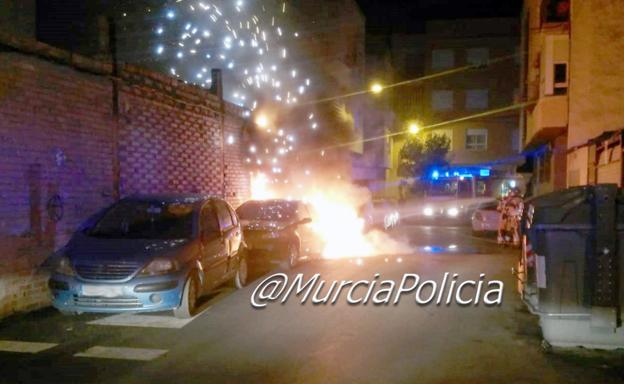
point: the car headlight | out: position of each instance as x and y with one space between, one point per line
159 267
428 211
63 267
453 212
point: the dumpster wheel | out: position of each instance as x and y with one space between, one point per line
546 347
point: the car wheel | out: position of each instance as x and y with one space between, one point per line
240 278
293 255
188 306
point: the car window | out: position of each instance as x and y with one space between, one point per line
131 219
225 219
209 222
282 211
233 214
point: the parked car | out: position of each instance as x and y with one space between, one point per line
486 218
278 230
381 214
150 253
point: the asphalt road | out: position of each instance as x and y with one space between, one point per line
231 342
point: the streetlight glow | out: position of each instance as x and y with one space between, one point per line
376 88
413 128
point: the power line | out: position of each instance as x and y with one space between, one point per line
496 111
449 72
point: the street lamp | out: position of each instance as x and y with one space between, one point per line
413 128
376 88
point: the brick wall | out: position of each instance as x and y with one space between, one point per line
73 138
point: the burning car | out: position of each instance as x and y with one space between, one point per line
278 229
149 253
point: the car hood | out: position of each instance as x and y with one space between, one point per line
84 248
263 225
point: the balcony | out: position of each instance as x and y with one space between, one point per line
548 120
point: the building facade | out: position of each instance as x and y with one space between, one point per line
573 131
449 93
460 43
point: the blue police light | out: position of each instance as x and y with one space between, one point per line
435 175
484 172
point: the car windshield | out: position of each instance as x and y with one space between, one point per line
267 210
145 220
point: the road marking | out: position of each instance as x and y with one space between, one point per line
24 346
142 354
145 321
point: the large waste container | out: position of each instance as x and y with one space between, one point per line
573 263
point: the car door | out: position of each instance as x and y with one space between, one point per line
213 247
237 237
228 232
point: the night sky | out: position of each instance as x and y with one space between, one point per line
409 15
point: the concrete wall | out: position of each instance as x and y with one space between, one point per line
73 139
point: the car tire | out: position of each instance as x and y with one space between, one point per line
242 273
188 304
292 254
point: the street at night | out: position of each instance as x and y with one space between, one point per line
230 341
311 191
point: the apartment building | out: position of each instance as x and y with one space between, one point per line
572 71
453 44
491 138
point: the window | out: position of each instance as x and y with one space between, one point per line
442 100
477 99
560 74
233 214
556 11
476 139
209 223
442 59
225 219
477 56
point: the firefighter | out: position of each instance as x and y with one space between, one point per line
510 208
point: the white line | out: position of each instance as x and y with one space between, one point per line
122 353
24 346
146 321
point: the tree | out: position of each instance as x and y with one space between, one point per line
419 154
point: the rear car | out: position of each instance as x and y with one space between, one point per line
381 214
486 218
278 230
149 253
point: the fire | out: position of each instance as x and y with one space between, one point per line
260 187
336 221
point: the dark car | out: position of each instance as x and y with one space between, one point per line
279 229
150 253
